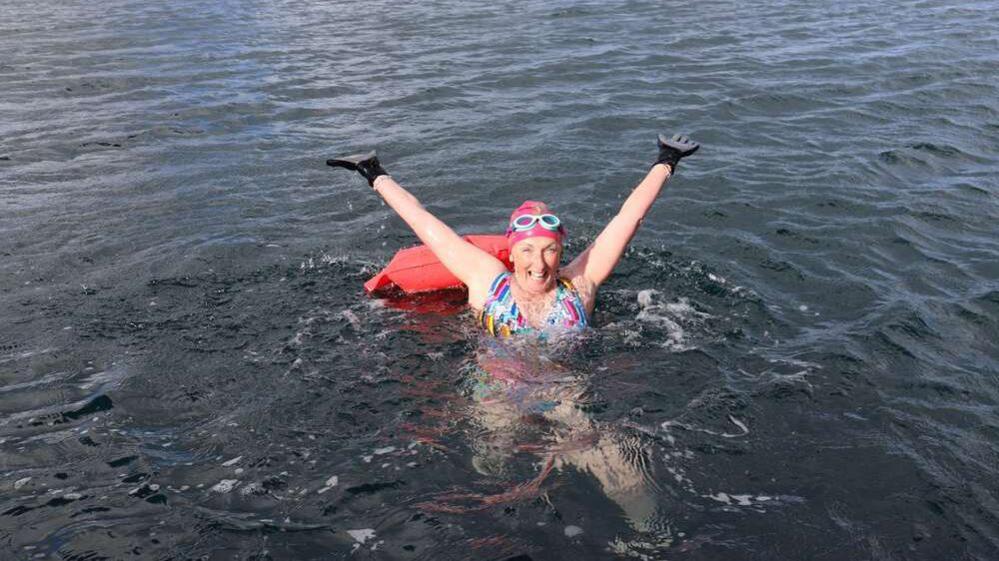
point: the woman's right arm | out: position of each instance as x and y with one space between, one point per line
474 267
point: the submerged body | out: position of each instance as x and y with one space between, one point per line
531 403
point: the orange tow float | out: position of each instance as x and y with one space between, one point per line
416 269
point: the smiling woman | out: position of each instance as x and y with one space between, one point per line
535 296
539 296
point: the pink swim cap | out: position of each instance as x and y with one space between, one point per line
537 230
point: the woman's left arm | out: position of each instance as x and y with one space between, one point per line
592 267
597 262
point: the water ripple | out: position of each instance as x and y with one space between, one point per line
182 278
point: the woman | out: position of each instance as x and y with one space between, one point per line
539 295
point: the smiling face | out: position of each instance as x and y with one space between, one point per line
535 264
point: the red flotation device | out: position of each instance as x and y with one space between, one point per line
417 269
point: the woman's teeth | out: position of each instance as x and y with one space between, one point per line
537 276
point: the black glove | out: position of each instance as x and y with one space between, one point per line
672 149
364 164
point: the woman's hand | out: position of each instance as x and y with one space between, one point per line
365 164
672 149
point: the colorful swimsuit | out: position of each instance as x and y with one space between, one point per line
500 315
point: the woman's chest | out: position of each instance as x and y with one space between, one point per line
536 313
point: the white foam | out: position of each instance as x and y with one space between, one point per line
666 425
350 316
740 424
232 462
225 486
363 535
645 297
669 315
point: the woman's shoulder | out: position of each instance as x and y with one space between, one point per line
479 295
583 287
574 273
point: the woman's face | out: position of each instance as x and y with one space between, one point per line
535 264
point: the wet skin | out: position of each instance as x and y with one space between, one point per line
535 265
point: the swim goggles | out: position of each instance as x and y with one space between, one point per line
525 222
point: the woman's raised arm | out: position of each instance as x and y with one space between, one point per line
474 267
597 262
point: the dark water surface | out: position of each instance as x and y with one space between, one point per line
796 360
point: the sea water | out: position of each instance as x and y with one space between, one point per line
796 358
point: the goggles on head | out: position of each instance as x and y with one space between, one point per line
525 222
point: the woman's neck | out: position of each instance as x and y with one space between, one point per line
535 307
